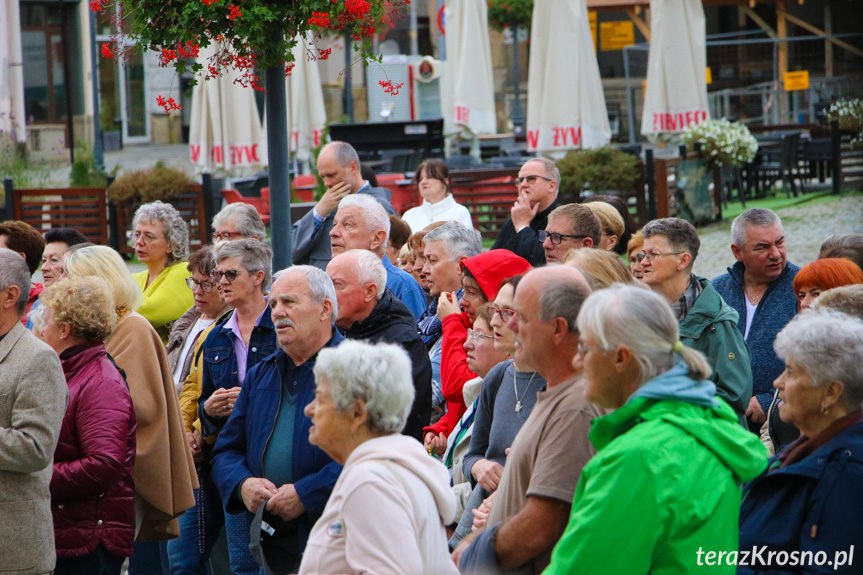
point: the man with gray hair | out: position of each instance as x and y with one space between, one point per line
263 455
237 222
33 396
760 287
707 322
538 184
533 499
368 310
361 223
339 167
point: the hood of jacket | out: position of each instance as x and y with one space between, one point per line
408 453
709 308
492 267
676 399
471 390
388 312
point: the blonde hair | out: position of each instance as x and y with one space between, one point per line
85 304
601 268
103 262
609 217
635 242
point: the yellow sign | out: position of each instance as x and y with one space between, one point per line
709 76
591 17
796 80
644 88
616 35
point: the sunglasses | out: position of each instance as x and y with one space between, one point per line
530 180
229 275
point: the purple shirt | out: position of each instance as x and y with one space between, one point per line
241 352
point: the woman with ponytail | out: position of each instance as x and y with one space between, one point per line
671 457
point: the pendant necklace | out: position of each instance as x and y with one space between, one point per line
518 404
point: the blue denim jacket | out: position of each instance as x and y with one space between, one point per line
220 363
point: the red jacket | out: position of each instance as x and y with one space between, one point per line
92 491
489 269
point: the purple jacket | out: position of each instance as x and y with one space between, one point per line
92 491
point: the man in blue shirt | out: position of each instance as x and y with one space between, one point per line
361 223
263 453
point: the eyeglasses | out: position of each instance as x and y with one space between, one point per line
193 284
505 314
583 348
647 256
230 275
474 336
147 238
227 236
530 180
556 238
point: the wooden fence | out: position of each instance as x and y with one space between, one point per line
83 209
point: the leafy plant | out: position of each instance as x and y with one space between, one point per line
84 173
509 13
157 183
599 170
849 113
723 143
15 163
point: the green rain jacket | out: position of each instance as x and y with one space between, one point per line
711 328
663 486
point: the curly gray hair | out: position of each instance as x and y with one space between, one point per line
176 229
379 374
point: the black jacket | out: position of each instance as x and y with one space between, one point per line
526 242
392 322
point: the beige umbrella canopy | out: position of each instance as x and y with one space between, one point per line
306 112
565 102
676 93
225 131
12 120
468 83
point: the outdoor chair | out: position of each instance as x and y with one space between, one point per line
766 174
817 154
731 178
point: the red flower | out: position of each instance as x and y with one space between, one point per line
320 19
288 69
167 56
106 50
96 6
357 8
189 49
324 54
390 88
209 2
167 105
235 12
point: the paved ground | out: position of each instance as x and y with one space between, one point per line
806 226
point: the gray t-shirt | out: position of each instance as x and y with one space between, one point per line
497 422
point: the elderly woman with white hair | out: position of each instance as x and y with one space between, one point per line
671 452
161 242
388 509
808 503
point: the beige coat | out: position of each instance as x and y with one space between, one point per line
164 470
33 397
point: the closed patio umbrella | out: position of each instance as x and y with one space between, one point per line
225 131
306 112
12 116
468 83
676 94
565 102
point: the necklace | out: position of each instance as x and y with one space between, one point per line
752 299
518 404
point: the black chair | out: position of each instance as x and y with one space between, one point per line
766 174
731 178
817 153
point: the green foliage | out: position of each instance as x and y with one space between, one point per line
15 164
157 183
601 169
510 13
84 173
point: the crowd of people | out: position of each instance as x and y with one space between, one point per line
401 400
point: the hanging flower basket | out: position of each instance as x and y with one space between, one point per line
509 13
723 143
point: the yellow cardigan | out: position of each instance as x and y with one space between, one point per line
166 299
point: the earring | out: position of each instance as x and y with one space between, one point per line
824 410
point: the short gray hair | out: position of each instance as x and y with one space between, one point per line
829 346
176 229
757 217
458 240
379 374
252 254
246 217
562 297
36 317
320 285
344 153
14 272
679 233
371 270
551 169
640 319
374 214
846 299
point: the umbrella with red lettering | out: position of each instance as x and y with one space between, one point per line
307 115
676 92
225 131
467 95
11 73
565 102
